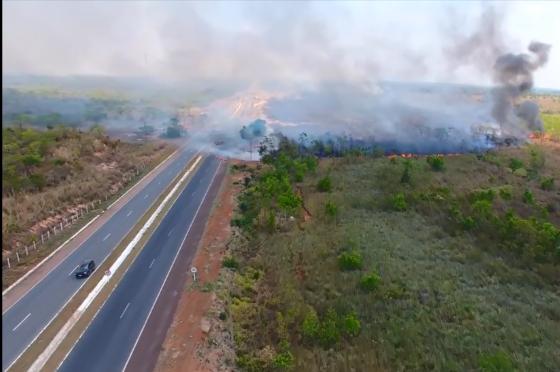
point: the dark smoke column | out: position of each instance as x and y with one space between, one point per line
514 73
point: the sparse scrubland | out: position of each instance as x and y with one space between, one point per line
372 263
48 174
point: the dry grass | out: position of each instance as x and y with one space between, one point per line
92 169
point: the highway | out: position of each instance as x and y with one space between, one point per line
24 321
111 336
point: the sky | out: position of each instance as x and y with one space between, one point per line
358 42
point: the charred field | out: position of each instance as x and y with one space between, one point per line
357 263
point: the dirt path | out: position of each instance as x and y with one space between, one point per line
197 339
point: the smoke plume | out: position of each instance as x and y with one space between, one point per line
514 74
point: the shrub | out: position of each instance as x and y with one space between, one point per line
547 183
406 178
311 325
497 362
230 263
528 197
283 360
399 203
484 194
370 282
468 223
38 181
436 162
506 193
482 208
331 209
329 334
351 325
324 184
350 261
515 164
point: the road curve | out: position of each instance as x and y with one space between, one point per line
109 339
25 320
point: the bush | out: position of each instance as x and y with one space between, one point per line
497 362
436 162
515 164
468 223
331 209
370 282
406 178
350 261
329 334
506 193
547 183
283 360
528 197
351 325
399 203
324 184
230 263
311 325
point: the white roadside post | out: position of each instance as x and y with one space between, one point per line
193 271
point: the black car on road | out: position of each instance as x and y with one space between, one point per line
85 269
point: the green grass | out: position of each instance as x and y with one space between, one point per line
552 124
447 298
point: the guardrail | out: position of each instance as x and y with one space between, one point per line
16 256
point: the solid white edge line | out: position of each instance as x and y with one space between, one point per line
20 323
55 342
73 236
171 267
72 296
97 312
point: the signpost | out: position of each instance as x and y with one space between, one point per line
193 271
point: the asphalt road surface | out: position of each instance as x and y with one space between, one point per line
110 338
25 320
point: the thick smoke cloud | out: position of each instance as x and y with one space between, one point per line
514 74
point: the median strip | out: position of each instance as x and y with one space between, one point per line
54 335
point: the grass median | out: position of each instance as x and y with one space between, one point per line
33 352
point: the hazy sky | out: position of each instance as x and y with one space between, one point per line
311 41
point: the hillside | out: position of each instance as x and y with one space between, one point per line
48 175
426 263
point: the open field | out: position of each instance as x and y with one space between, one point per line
433 263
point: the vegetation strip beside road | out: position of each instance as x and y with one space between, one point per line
10 278
26 360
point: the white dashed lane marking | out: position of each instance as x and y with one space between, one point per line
20 323
106 236
129 213
124 311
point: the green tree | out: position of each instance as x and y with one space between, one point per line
324 184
